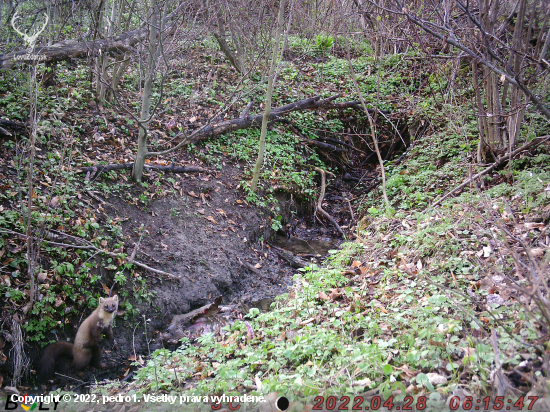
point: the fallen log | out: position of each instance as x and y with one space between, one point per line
72 49
175 331
7 125
246 122
295 261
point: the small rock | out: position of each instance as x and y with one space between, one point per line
436 378
498 278
495 299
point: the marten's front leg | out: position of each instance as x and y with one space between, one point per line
109 333
96 358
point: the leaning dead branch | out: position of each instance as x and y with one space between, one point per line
529 145
84 244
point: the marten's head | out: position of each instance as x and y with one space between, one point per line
109 305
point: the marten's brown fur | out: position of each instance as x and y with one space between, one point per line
86 344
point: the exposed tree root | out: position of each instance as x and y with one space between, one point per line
320 201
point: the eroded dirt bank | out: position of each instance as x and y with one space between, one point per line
213 243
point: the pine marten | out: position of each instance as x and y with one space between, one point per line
86 344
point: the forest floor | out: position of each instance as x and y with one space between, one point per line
208 235
427 302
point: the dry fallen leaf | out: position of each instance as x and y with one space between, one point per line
211 219
191 193
335 294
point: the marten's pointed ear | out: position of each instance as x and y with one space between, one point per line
101 300
115 298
